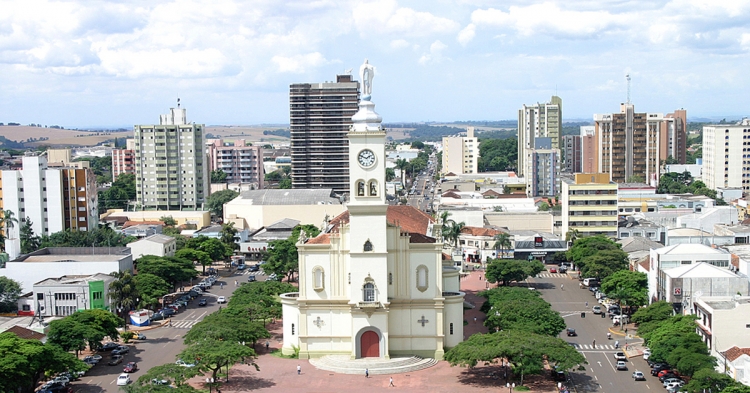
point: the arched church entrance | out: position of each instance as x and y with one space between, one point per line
369 344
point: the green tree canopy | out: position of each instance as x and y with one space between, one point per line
10 291
191 254
498 154
118 196
627 286
510 270
173 270
281 256
29 241
518 308
226 325
151 288
103 236
650 317
218 176
215 202
213 355
708 379
603 264
170 372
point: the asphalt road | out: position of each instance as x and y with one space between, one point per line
600 374
161 345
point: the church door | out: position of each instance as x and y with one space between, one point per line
370 345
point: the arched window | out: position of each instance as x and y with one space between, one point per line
318 278
368 246
368 292
360 188
373 187
422 275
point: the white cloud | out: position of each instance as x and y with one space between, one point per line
399 44
745 41
299 63
385 16
467 34
435 54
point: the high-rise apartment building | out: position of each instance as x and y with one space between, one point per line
589 204
171 171
726 156
461 154
580 151
320 115
633 145
123 160
53 199
538 121
572 154
544 168
242 164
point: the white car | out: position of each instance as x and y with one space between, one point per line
221 299
123 380
182 363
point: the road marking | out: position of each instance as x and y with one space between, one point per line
648 386
610 363
600 363
201 316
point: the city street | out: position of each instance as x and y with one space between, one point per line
600 374
162 344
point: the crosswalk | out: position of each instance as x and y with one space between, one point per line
598 346
249 273
184 324
552 275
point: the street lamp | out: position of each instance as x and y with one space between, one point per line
510 387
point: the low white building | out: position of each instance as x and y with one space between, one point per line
681 284
66 261
513 204
63 296
158 245
671 257
736 363
258 208
722 323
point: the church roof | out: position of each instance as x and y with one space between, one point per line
409 219
479 231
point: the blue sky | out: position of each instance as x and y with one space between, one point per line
118 63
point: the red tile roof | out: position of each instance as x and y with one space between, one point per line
645 265
134 223
409 219
323 238
22 332
733 353
479 231
451 194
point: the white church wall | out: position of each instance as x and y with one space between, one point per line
309 263
454 309
290 315
421 256
451 279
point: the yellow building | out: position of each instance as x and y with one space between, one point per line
589 204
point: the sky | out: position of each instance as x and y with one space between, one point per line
119 63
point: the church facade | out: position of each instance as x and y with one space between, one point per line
373 283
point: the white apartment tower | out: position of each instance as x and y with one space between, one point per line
726 156
171 171
461 154
538 121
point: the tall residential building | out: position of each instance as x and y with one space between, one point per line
53 199
171 171
543 169
242 164
461 154
726 156
538 121
632 144
572 154
123 160
580 151
589 204
320 115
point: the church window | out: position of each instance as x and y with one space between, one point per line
390 278
350 278
368 246
451 328
373 188
292 329
360 188
368 292
422 274
318 278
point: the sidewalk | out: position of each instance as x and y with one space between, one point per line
472 285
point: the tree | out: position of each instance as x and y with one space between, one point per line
73 332
151 288
228 236
9 222
510 270
102 236
590 245
572 235
102 320
401 165
502 242
25 362
171 372
29 241
173 270
285 184
520 309
119 194
123 293
708 379
628 287
604 263
635 179
215 202
390 174
670 335
191 254
281 256
227 325
497 154
10 291
417 145
650 317
168 221
212 355
218 176
526 352
452 231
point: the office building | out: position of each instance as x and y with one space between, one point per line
242 164
171 171
631 146
543 167
589 204
123 160
461 154
538 121
726 155
320 115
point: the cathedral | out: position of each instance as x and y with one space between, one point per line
373 283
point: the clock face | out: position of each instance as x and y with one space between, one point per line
366 158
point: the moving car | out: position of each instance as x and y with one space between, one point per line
596 309
553 270
620 356
117 359
621 365
251 279
638 376
131 367
123 380
140 336
203 302
221 299
241 267
254 268
571 332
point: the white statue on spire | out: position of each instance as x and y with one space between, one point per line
366 73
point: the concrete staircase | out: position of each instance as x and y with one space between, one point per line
343 364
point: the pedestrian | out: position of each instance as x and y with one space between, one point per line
594 344
299 370
475 319
235 283
367 373
221 285
391 383
480 277
587 304
268 343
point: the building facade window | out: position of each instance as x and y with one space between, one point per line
318 278
451 328
422 278
368 246
368 292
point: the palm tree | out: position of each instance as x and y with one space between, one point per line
122 292
9 221
444 216
401 164
502 241
452 231
572 235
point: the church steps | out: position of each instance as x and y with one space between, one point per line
343 364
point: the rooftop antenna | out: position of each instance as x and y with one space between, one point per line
178 101
349 71
627 76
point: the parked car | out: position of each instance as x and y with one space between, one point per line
638 376
109 346
92 359
62 379
203 302
667 376
254 268
221 300
646 354
123 380
552 270
670 380
167 312
596 309
182 363
131 367
157 316
121 350
620 356
621 365
571 332
117 359
241 267
140 336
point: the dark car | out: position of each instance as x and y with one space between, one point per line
251 278
202 302
117 359
157 317
659 368
56 388
193 294
558 375
168 312
571 332
108 347
241 267
254 268
667 376
131 367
